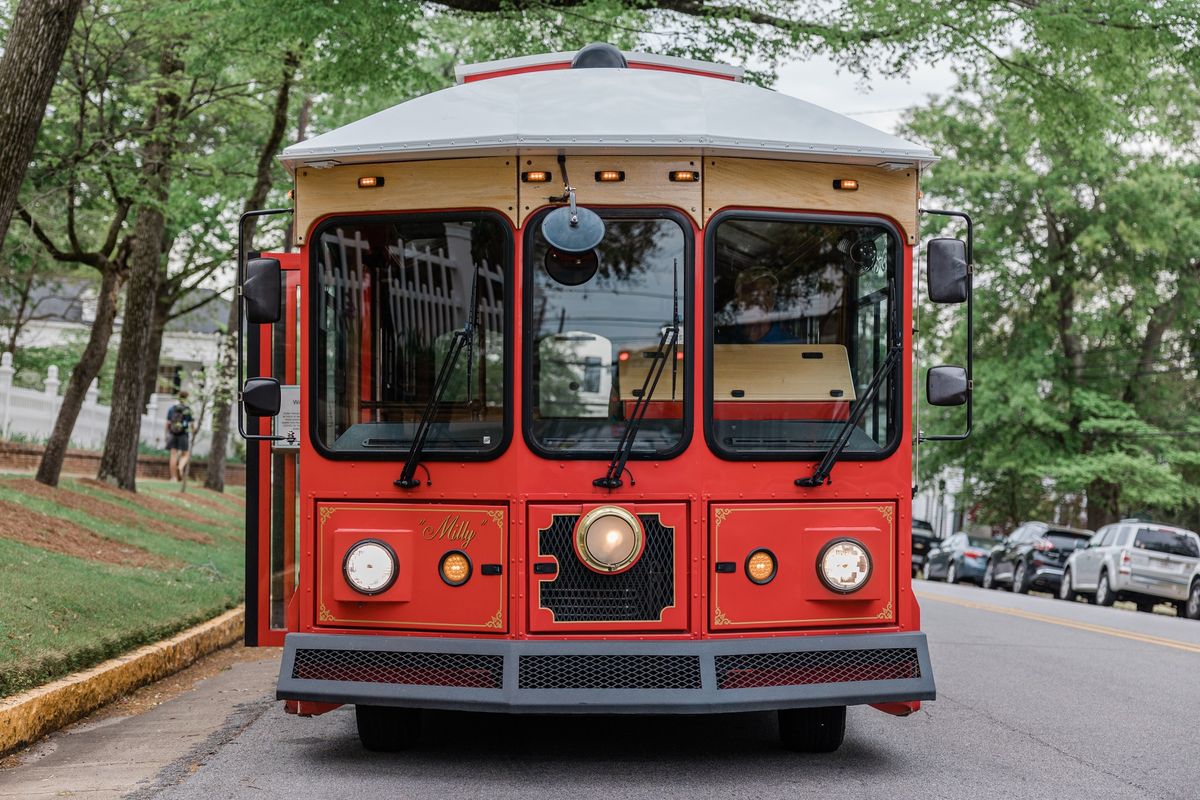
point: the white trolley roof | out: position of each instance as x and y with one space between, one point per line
642 110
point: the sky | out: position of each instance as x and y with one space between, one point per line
878 103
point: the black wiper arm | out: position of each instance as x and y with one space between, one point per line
821 473
667 346
462 339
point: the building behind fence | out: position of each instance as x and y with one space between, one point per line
29 414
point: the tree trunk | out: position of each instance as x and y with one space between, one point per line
1103 503
118 463
33 52
158 325
215 478
50 468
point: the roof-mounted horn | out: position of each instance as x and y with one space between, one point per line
599 55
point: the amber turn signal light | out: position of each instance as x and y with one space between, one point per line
761 567
846 184
536 176
455 568
683 176
370 182
610 176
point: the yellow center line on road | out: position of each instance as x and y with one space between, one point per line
1066 623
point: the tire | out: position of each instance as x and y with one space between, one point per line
1104 592
989 576
1020 583
926 572
387 730
812 730
1191 608
1065 592
952 573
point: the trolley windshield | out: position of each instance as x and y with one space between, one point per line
389 295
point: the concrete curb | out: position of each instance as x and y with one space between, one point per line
31 715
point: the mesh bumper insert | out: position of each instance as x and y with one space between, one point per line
463 670
760 670
610 672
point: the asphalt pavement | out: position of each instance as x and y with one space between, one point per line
1036 697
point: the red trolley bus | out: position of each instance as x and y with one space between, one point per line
599 369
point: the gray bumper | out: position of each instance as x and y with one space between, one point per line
607 677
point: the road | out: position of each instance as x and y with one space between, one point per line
1036 697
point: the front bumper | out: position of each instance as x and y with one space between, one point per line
607 677
1047 577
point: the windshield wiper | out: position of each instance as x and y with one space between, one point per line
463 338
668 345
820 475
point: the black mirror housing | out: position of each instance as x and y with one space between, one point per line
946 386
947 270
261 291
261 397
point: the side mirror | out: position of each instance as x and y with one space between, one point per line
261 291
261 397
946 270
946 386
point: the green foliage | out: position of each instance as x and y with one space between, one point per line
32 364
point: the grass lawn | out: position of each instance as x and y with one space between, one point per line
88 572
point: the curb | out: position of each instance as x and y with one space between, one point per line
30 715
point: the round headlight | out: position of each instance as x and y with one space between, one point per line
455 568
609 539
760 566
370 566
844 565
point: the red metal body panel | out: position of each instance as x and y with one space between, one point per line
695 485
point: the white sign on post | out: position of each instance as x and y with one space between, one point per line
287 423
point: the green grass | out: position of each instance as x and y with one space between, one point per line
59 614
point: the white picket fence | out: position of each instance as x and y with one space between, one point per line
30 414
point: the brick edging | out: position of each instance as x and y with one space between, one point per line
31 715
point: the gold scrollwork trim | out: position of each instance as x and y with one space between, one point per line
886 613
497 516
887 512
326 513
497 620
719 516
326 615
719 618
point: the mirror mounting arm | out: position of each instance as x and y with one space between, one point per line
240 300
958 437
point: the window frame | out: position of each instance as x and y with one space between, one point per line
899 379
427 453
688 327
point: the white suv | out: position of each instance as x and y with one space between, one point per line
1143 562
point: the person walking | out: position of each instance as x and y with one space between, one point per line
179 423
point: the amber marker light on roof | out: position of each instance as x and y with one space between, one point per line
610 176
846 184
683 176
536 176
370 182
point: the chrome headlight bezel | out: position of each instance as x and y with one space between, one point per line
584 525
387 551
827 582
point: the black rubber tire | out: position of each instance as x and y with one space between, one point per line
812 730
387 730
989 577
1191 608
1065 592
1106 597
952 573
1020 583
927 572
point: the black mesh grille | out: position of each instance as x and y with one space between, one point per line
610 672
580 595
465 670
756 670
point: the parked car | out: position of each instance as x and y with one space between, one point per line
1191 608
922 540
958 558
1032 556
1139 561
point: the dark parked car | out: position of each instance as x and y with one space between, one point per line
1032 557
922 540
959 558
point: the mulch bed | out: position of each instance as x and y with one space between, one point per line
197 494
154 505
63 536
109 512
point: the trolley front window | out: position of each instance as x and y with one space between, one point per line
594 329
389 294
802 313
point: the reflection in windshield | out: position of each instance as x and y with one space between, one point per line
593 343
799 328
390 294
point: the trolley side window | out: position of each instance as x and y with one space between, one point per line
801 321
594 329
390 294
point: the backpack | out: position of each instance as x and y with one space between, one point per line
176 418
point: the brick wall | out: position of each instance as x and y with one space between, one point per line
26 457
